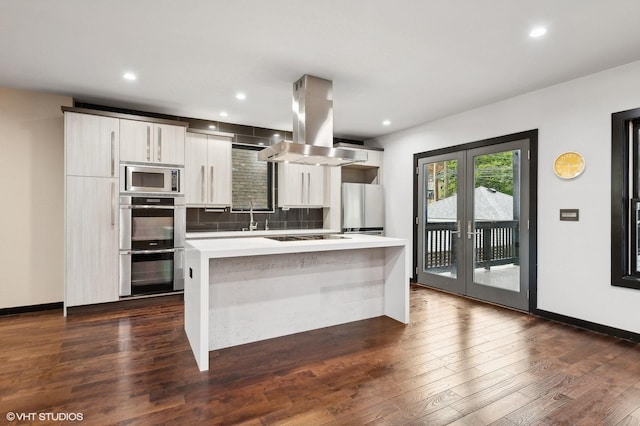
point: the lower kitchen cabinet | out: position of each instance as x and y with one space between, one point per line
91 258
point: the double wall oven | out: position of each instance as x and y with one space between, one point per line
152 230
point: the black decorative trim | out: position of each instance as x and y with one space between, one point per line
621 193
588 325
31 308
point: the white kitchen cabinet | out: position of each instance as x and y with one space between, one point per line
207 170
146 142
300 186
91 240
91 145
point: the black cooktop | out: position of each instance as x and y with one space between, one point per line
306 237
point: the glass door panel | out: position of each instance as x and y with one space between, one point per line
440 239
495 224
495 220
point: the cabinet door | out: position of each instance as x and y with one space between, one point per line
91 145
219 172
195 169
315 186
300 185
144 142
136 141
290 188
91 264
168 144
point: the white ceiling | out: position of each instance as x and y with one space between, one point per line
409 61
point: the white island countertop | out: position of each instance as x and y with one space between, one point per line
256 246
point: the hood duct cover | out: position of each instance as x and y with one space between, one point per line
312 129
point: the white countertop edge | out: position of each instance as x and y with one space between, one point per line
240 247
258 233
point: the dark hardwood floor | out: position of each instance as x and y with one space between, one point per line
457 362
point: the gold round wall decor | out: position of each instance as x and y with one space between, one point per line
568 165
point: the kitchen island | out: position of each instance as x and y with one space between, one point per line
242 290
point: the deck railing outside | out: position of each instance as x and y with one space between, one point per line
496 243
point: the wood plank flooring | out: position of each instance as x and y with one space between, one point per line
458 362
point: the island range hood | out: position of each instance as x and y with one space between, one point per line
312 129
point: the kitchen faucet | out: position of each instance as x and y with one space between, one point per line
252 224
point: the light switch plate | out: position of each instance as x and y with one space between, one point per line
572 215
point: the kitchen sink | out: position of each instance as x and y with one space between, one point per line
306 237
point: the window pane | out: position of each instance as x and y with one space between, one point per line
250 180
441 217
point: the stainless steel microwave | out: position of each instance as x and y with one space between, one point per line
151 179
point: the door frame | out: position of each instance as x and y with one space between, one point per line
532 136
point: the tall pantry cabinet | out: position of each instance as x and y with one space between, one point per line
91 208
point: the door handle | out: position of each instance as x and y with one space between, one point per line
470 233
308 188
113 153
457 231
148 143
159 144
302 189
113 204
211 185
202 186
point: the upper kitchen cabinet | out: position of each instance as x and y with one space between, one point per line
207 170
91 145
300 186
147 142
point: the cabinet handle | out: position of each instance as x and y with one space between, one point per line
302 189
159 144
148 143
308 188
113 153
202 186
113 204
211 185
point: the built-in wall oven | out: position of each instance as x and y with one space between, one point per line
152 234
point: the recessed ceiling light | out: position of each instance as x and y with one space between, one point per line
538 32
241 96
386 123
129 76
276 135
211 126
223 114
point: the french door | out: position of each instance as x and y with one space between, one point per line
473 222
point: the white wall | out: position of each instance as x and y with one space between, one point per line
573 257
32 176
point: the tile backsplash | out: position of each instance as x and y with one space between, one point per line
198 219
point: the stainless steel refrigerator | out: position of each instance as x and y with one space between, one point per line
362 208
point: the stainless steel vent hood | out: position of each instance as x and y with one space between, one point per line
312 129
